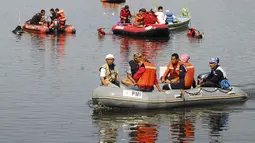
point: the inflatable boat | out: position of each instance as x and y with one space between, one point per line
154 30
183 23
42 29
127 98
113 1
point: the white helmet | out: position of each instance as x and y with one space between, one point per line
109 56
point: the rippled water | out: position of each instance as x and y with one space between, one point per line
46 81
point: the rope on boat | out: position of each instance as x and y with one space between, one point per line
211 91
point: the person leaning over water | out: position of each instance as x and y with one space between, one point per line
108 72
145 77
132 69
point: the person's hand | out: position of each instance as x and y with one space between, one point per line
162 90
182 92
163 80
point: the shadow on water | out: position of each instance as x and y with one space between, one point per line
136 126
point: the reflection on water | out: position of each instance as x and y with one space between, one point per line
217 122
145 127
149 47
182 127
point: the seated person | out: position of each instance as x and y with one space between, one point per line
150 18
185 12
146 77
216 77
108 72
53 14
125 14
139 17
170 18
181 74
38 19
133 68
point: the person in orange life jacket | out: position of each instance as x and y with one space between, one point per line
215 77
61 17
125 14
108 72
132 69
145 77
181 74
139 17
37 19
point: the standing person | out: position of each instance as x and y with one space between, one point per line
160 15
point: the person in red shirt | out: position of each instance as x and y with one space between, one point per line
125 14
150 18
146 76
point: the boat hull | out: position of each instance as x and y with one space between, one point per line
154 30
41 29
126 98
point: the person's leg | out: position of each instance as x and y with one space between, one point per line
166 87
175 86
127 82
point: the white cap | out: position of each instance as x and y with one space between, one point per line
167 11
109 56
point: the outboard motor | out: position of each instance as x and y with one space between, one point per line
202 76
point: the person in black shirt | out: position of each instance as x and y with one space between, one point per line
37 18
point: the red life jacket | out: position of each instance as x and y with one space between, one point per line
149 19
124 13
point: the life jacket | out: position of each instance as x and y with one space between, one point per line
139 18
134 67
174 72
192 32
61 17
224 73
124 13
189 76
148 77
149 19
169 18
100 31
109 75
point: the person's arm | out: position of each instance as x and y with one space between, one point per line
157 85
165 74
183 71
216 78
194 84
139 73
102 76
130 77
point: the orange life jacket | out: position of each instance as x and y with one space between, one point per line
61 17
189 76
139 18
148 77
174 72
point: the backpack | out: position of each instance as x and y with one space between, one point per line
225 84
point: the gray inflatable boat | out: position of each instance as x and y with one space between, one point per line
127 98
